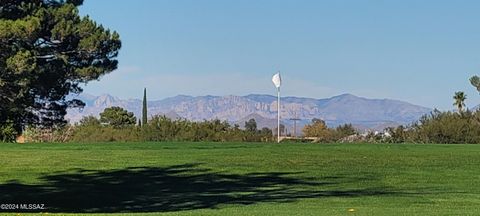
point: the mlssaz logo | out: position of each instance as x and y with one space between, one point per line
32 206
22 206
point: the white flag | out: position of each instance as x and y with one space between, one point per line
277 80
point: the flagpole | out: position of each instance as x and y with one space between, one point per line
278 115
277 81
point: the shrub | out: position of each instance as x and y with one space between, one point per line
8 132
441 127
161 128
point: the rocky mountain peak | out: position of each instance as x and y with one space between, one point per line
105 100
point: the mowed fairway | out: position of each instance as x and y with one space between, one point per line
243 178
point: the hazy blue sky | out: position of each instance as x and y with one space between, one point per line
418 51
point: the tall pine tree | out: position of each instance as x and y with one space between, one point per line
144 108
48 50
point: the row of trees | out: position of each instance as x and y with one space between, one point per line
436 127
440 127
318 128
462 126
117 124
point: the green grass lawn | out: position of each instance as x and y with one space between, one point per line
243 178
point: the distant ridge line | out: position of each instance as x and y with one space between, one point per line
336 110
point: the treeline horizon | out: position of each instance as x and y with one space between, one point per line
157 128
118 125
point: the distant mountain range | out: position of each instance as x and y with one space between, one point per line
361 112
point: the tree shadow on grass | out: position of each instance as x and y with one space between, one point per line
174 188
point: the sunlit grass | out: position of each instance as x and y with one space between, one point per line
243 178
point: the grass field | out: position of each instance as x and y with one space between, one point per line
243 178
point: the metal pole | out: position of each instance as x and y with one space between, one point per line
278 115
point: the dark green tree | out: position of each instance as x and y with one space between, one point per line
251 125
459 99
144 108
475 81
89 121
117 117
266 131
47 50
345 130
